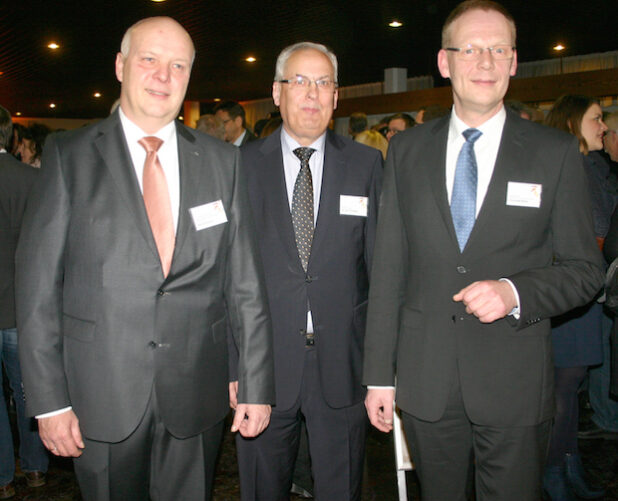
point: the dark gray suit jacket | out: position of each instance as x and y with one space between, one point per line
337 279
16 179
416 332
99 323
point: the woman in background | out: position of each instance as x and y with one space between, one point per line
576 335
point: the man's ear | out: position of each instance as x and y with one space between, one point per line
119 66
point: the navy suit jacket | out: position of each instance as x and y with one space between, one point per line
337 280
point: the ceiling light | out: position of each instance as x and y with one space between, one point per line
97 94
157 1
217 99
395 24
53 45
1 73
180 117
251 59
18 114
52 105
559 47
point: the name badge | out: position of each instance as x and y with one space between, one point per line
207 215
353 206
524 194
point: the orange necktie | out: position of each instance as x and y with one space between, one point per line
157 201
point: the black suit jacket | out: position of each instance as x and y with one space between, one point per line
249 136
336 282
16 179
99 323
416 332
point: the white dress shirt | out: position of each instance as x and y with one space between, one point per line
291 168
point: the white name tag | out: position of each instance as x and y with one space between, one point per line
207 215
524 194
353 206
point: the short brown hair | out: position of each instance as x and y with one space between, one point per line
567 114
469 5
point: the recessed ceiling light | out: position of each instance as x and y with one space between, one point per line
157 1
180 117
217 99
52 105
18 113
97 94
559 47
395 24
53 45
251 59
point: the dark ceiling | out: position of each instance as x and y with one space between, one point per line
225 32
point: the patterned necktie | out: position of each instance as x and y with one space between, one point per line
463 198
157 202
302 206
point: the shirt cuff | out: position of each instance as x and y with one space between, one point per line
53 413
380 387
515 312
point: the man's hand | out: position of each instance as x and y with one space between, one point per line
61 435
488 300
251 419
233 389
379 405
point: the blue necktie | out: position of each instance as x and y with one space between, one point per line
463 198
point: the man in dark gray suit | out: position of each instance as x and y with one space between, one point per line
137 251
314 198
485 232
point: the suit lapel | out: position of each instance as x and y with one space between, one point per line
511 154
191 160
333 176
112 147
277 206
436 171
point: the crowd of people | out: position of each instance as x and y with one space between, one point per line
448 260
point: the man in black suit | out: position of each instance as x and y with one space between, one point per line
478 245
16 179
314 198
137 251
232 115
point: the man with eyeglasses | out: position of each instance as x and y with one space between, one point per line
232 115
314 196
485 233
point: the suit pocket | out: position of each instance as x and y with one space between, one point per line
219 330
76 328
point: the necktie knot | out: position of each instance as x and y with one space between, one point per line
304 154
472 135
151 143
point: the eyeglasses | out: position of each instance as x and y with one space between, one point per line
472 52
302 82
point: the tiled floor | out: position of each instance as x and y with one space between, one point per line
600 456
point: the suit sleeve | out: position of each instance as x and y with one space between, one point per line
576 273
39 278
247 302
387 285
372 216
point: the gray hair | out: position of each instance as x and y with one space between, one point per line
285 54
6 128
125 44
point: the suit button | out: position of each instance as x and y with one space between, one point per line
160 292
152 345
308 279
461 269
454 318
